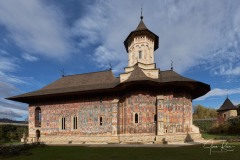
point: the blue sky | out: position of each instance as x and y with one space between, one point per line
40 38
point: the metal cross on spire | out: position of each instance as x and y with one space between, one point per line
62 72
171 64
110 65
141 12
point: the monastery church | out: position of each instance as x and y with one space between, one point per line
142 105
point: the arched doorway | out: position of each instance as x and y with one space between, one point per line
38 134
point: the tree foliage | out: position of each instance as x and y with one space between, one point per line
12 133
201 112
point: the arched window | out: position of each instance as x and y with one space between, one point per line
136 118
100 121
63 123
75 122
38 117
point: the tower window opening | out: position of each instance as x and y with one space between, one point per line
140 54
100 121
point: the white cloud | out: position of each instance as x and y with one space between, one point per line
7 64
219 92
13 105
191 32
29 57
7 89
10 109
12 113
228 70
9 78
3 52
36 27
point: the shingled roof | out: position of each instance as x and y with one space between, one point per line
75 83
141 26
87 79
138 75
227 105
92 82
170 76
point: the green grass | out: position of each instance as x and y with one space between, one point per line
220 136
126 153
11 143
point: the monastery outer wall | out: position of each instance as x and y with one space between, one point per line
228 114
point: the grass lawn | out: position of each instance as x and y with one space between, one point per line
127 153
220 136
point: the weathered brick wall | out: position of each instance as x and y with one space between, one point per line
142 104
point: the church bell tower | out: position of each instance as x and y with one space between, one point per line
140 46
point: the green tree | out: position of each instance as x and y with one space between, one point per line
201 112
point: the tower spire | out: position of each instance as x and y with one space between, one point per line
141 12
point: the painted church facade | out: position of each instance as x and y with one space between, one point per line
142 105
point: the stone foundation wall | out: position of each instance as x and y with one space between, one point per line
121 139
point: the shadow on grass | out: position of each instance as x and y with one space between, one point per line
10 150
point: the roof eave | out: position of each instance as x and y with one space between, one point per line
156 39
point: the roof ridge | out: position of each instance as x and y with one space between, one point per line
89 73
137 72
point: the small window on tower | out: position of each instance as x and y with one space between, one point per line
140 54
100 121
